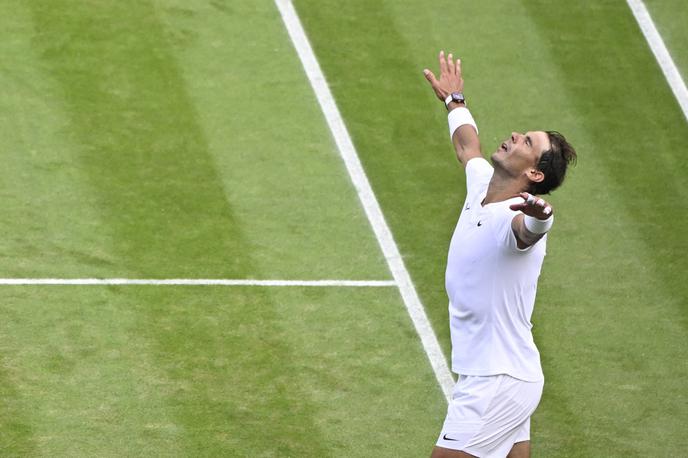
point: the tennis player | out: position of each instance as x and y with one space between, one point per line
493 266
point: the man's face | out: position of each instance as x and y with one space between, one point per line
520 153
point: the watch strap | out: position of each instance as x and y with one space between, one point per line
454 97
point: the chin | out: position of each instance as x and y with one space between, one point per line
499 163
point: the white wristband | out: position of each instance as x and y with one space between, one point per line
459 117
538 226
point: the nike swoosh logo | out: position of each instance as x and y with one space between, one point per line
449 438
468 207
480 223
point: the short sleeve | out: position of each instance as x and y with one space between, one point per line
478 175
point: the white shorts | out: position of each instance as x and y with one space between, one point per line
488 415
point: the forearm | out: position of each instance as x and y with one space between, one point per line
449 90
528 229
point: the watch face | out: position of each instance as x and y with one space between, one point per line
457 97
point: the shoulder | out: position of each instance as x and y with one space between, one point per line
501 214
504 207
502 217
478 165
478 174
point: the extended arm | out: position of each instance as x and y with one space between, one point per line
465 138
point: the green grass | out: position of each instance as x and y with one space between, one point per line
143 371
140 146
181 139
611 314
165 155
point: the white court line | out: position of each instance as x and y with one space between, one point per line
365 194
193 282
666 63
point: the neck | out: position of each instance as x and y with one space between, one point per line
502 187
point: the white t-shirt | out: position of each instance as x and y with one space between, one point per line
491 285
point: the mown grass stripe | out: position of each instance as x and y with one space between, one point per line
143 147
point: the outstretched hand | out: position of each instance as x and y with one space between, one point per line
533 206
450 77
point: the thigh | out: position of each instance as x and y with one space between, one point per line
471 398
520 450
441 452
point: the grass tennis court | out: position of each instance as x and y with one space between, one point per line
181 139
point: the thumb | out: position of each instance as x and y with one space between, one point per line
430 77
518 207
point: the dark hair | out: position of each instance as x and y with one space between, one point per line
553 163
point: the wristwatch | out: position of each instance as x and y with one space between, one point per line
454 97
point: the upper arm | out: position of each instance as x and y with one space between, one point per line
507 227
466 143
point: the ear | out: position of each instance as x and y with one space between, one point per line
535 175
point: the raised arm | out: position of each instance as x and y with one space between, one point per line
465 138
